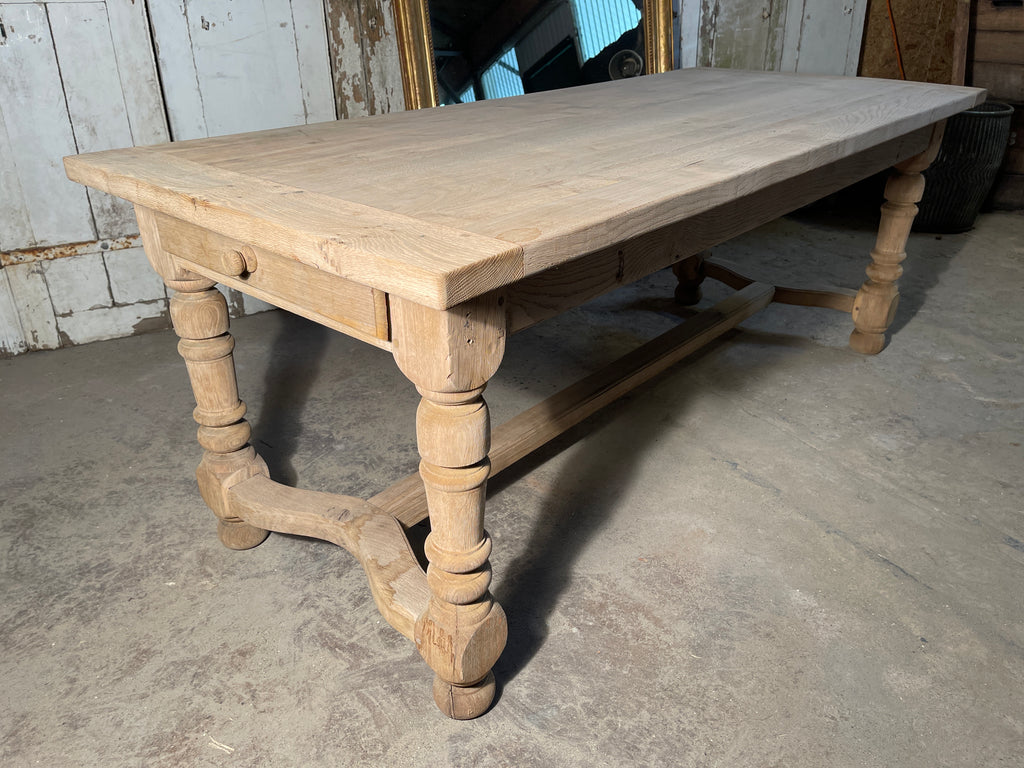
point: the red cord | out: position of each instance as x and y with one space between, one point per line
896 42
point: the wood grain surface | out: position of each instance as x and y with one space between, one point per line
439 206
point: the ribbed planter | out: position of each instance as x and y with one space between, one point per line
962 175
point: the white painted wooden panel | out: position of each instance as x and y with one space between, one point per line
12 339
794 21
92 87
112 322
15 228
689 33
38 129
677 12
824 36
858 22
313 60
183 99
77 284
136 66
247 65
811 36
32 302
743 34
229 67
132 280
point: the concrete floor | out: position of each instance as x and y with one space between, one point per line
777 553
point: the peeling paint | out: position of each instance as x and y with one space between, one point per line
366 66
708 26
343 36
739 35
150 324
383 61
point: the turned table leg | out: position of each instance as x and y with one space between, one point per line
876 302
690 273
200 317
449 355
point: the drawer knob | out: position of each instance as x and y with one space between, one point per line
248 254
237 262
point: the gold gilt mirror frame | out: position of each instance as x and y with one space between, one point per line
416 49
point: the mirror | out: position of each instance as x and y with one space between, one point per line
454 51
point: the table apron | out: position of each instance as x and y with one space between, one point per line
545 294
361 311
344 305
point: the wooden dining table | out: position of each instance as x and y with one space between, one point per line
438 234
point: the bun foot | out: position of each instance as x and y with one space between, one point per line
240 535
464 702
867 343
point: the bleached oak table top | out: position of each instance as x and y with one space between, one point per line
439 206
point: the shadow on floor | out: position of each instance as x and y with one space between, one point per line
589 490
295 363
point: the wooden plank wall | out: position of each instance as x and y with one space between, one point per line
82 75
39 208
73 78
226 69
997 50
997 63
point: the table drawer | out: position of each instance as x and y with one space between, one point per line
349 307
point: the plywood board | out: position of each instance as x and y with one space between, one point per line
926 30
